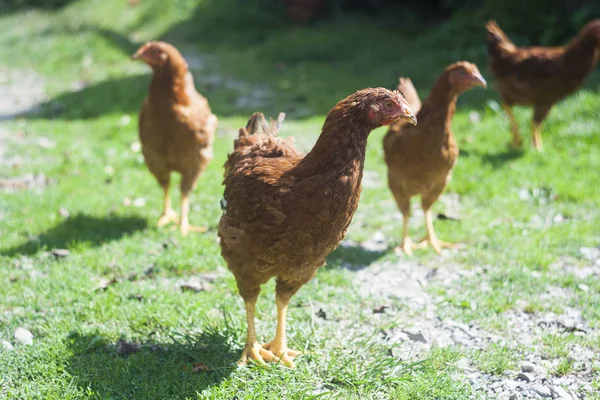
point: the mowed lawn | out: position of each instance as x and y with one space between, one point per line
112 318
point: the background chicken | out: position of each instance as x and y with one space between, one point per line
420 158
539 76
284 213
176 127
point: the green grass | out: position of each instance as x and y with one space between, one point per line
512 243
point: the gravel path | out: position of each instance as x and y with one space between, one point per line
422 328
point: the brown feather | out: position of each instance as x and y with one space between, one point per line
176 125
541 76
284 212
420 158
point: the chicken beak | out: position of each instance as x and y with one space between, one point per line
407 115
140 54
411 118
478 80
137 55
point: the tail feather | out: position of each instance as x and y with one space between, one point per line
259 139
497 38
406 87
257 125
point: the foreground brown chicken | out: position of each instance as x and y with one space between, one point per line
284 213
420 158
176 127
540 76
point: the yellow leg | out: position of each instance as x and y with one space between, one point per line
536 137
431 238
517 141
407 244
253 350
185 212
278 346
168 214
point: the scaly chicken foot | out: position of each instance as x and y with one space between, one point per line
431 238
168 215
185 211
253 350
436 244
256 353
536 137
407 245
278 346
283 355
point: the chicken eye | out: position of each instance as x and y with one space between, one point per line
388 104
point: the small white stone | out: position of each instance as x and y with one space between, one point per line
527 366
6 345
23 336
474 117
124 120
541 390
561 393
583 287
139 202
136 147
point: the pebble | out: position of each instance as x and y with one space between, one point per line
525 377
543 391
583 287
60 253
527 366
6 345
560 393
23 336
415 335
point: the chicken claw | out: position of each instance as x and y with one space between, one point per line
436 244
256 353
186 228
285 356
167 217
406 247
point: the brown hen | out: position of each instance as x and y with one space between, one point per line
284 213
176 127
420 158
539 76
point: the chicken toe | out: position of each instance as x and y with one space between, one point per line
536 137
436 244
185 212
406 247
431 238
186 228
281 354
168 216
256 353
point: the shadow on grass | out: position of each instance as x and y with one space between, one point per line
152 370
7 7
353 257
262 61
497 160
81 229
122 95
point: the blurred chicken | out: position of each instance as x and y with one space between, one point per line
284 213
176 127
540 76
420 158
